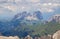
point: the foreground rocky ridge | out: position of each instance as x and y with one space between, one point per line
54 36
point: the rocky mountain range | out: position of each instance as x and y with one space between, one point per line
19 21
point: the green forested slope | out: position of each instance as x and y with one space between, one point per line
44 29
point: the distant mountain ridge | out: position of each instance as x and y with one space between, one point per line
29 16
21 19
20 23
25 23
26 17
55 18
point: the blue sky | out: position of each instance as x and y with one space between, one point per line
8 8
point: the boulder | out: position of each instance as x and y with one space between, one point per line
56 35
28 37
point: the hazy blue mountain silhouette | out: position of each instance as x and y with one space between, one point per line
14 27
20 17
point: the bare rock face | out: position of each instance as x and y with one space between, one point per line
28 37
56 35
10 37
46 37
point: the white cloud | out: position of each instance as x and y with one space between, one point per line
15 1
51 4
47 6
2 0
13 8
23 7
56 4
10 7
33 1
50 10
18 0
46 10
31 18
44 7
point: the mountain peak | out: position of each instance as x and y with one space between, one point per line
55 18
29 16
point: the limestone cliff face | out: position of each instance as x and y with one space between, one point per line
56 35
